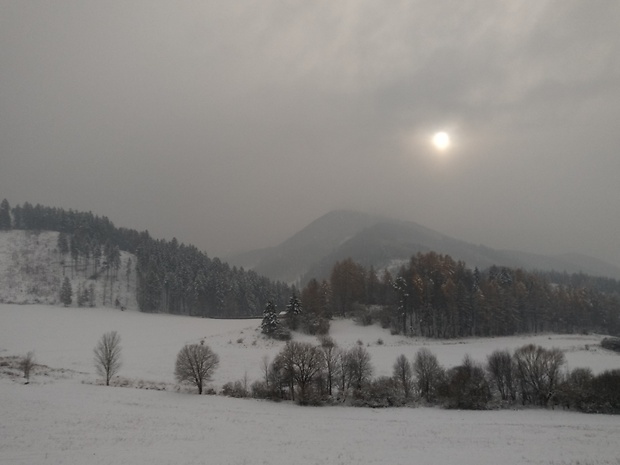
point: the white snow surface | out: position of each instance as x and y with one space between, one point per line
32 271
64 418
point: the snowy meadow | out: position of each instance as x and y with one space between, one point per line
63 416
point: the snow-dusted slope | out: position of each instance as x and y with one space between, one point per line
32 271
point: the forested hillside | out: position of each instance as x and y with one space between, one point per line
171 277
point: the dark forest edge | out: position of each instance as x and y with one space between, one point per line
432 296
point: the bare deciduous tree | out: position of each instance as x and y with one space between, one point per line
304 362
265 368
26 364
428 372
501 370
331 354
195 364
108 356
358 366
538 372
403 375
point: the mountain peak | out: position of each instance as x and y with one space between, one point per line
385 242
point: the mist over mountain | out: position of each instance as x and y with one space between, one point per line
382 242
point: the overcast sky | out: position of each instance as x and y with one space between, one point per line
233 124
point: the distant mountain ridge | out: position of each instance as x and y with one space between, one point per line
381 242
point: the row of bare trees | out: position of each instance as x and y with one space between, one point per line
534 375
195 363
325 373
310 374
107 358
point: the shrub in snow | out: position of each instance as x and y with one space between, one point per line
363 316
260 390
316 326
237 389
282 334
465 387
591 394
26 364
606 388
611 343
575 391
379 393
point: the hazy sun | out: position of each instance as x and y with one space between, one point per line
441 140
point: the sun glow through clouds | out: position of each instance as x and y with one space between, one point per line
441 141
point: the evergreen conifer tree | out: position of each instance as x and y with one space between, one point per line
66 293
270 319
293 312
63 243
5 215
82 296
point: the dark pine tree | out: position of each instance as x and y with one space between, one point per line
63 243
293 312
270 319
66 293
5 215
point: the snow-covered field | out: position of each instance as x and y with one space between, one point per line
64 419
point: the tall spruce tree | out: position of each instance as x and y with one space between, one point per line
5 215
63 243
66 293
270 319
293 312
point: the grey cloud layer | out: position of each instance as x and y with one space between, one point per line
232 124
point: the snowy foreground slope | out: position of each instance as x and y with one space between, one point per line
66 422
61 418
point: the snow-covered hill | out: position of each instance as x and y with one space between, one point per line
32 271
63 418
